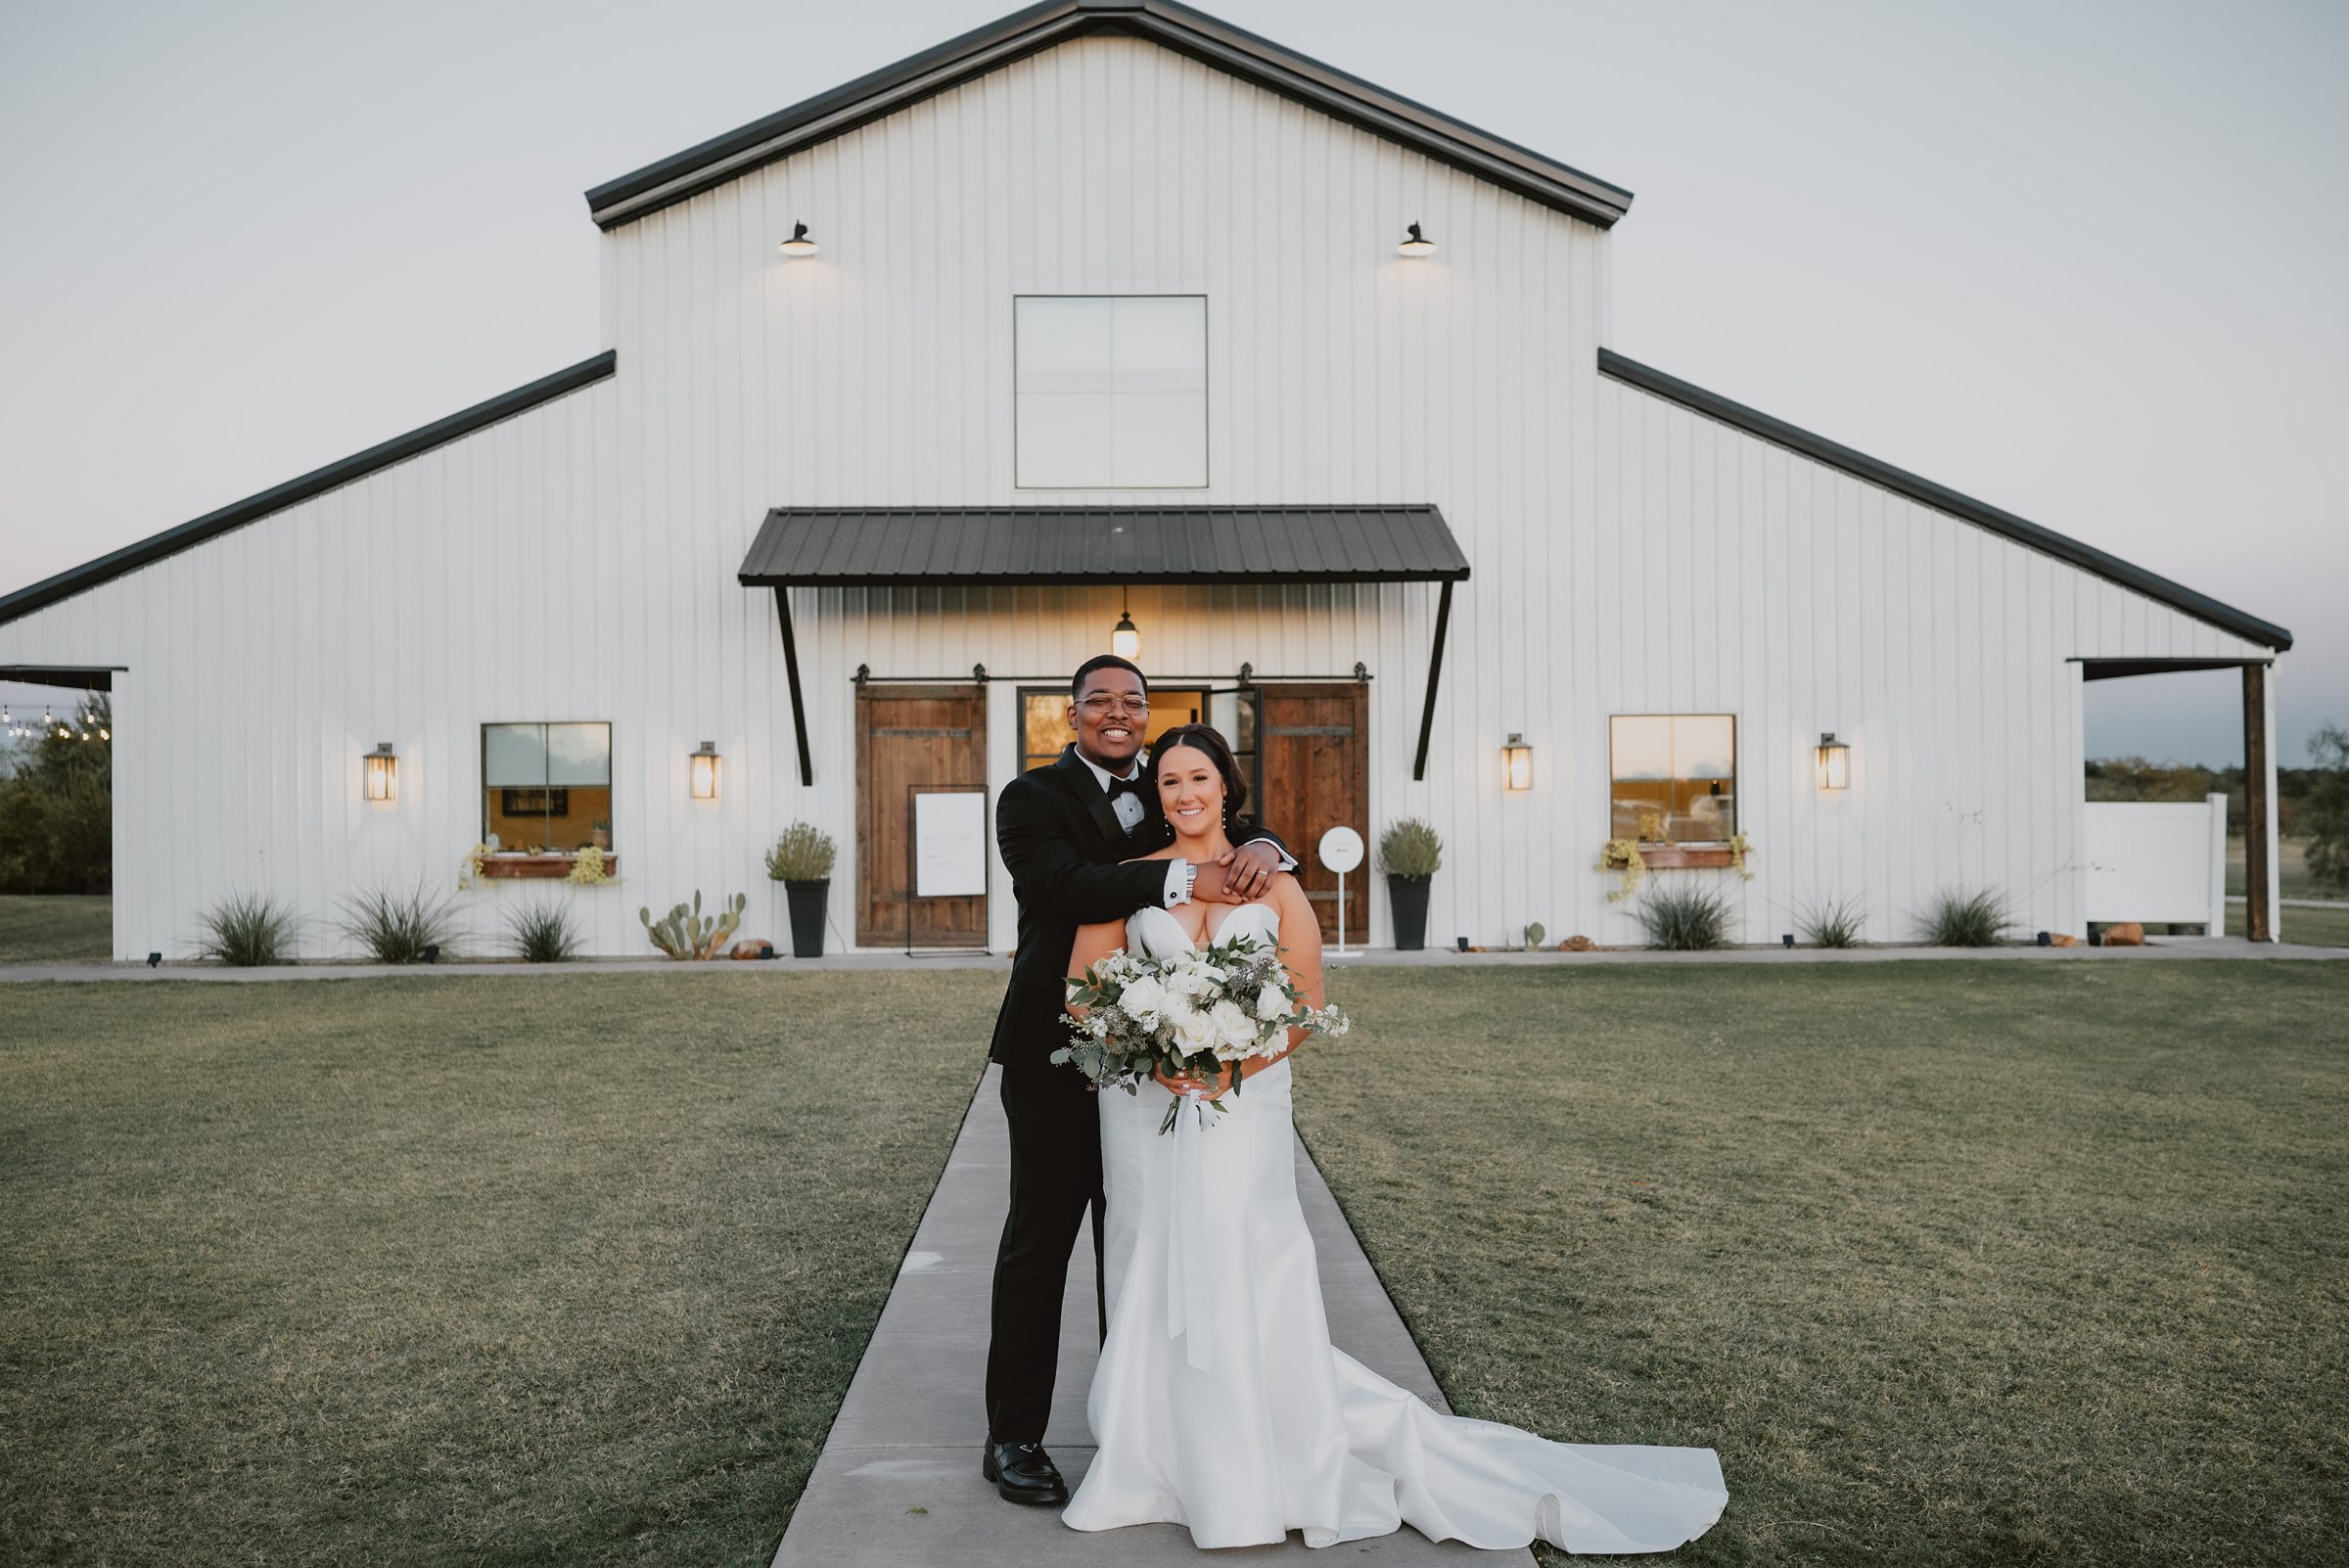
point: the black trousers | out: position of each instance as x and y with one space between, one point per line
1055 1181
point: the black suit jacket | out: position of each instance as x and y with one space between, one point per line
1061 842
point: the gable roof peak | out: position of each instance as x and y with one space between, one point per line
1194 33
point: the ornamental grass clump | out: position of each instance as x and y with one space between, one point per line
399 928
543 933
803 854
1685 919
1409 848
247 930
1837 923
1959 919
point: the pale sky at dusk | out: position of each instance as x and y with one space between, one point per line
2081 261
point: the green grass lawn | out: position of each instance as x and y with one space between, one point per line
57 926
2292 877
1953 1263
467 1271
2318 928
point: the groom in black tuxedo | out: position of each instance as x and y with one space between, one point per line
1064 830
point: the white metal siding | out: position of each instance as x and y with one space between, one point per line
578 561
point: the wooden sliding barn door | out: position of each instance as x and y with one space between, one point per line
908 736
1313 742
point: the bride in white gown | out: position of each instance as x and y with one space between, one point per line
1220 1402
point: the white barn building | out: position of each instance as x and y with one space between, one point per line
1107 317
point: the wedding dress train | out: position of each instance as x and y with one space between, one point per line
1219 1403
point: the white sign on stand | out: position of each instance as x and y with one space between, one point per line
949 845
1340 851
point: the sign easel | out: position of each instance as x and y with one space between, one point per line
946 850
1341 850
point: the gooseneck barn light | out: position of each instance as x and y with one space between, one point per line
1415 244
798 245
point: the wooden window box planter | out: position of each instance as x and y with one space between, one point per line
540 865
1688 856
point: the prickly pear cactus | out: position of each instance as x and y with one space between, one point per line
1534 934
687 933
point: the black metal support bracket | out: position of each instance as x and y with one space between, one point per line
1435 677
791 672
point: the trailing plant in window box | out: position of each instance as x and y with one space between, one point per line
1622 855
587 868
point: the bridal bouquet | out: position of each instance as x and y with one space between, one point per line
1190 1013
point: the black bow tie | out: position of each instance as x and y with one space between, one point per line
1125 786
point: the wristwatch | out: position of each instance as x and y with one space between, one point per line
1190 880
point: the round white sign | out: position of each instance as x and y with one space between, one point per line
1341 849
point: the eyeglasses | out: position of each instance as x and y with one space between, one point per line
1102 706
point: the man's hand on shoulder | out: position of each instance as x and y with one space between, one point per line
1243 876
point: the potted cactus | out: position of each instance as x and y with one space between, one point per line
802 861
1409 854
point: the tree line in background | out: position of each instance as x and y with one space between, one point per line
57 803
57 811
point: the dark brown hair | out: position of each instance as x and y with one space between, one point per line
1200 738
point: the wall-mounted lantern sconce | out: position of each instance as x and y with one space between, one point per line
798 245
1415 244
704 771
1125 638
383 773
1517 763
1834 764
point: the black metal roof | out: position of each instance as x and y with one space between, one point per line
1942 499
1178 27
253 508
1008 546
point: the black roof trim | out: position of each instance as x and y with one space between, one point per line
253 508
1019 546
1942 499
1178 27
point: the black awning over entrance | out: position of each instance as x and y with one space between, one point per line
874 547
1087 546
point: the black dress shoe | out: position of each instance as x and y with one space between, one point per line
1023 1472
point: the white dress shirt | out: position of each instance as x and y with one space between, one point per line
1180 873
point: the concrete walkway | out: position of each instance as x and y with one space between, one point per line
899 1481
2157 948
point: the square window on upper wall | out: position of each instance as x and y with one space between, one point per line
1110 391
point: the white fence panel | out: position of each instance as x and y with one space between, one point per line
2159 861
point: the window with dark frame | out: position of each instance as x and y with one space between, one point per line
1674 777
547 786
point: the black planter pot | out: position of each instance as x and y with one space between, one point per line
1407 897
806 900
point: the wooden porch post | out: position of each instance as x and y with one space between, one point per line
2259 804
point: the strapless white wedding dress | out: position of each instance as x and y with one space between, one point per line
1219 1403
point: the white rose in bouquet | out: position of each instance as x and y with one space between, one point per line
1197 1032
1143 999
1270 1003
1236 1031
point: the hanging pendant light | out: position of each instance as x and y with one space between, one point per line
1125 638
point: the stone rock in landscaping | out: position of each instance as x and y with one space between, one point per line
749 947
2126 934
1578 944
2063 940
